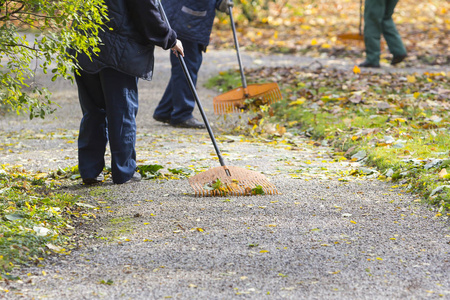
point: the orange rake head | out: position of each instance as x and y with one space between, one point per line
234 100
242 182
351 36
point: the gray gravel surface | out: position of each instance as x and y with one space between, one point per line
327 235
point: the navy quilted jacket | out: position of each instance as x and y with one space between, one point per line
192 19
137 26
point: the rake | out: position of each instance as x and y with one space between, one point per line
223 180
355 36
235 100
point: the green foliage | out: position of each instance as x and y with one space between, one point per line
150 171
258 190
254 9
33 218
36 34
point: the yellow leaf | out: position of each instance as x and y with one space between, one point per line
356 70
314 42
299 101
379 258
353 222
263 251
400 120
416 95
411 78
197 229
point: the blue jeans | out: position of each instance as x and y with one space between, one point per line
177 103
109 102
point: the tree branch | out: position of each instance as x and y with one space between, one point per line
6 16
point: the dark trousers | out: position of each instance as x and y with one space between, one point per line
378 21
177 103
109 102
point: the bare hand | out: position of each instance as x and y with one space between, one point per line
178 48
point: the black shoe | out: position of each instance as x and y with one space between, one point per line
367 64
161 119
91 181
135 178
190 123
396 59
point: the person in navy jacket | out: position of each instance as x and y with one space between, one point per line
193 21
107 86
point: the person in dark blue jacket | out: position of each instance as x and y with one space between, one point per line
107 86
193 21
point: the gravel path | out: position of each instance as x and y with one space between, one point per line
326 236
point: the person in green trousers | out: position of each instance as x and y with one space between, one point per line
377 21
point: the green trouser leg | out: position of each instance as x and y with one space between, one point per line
377 21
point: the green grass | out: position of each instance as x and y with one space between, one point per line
35 219
400 120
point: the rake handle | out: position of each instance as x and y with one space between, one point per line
200 107
197 100
236 45
360 16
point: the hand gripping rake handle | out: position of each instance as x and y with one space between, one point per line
236 44
194 93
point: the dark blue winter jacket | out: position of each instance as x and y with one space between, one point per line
129 38
192 19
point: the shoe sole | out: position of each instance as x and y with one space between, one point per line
166 121
91 181
184 126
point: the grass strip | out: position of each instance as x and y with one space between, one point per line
397 124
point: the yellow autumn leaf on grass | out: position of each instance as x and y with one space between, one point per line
299 101
353 222
411 78
416 95
356 70
399 120
314 42
263 251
